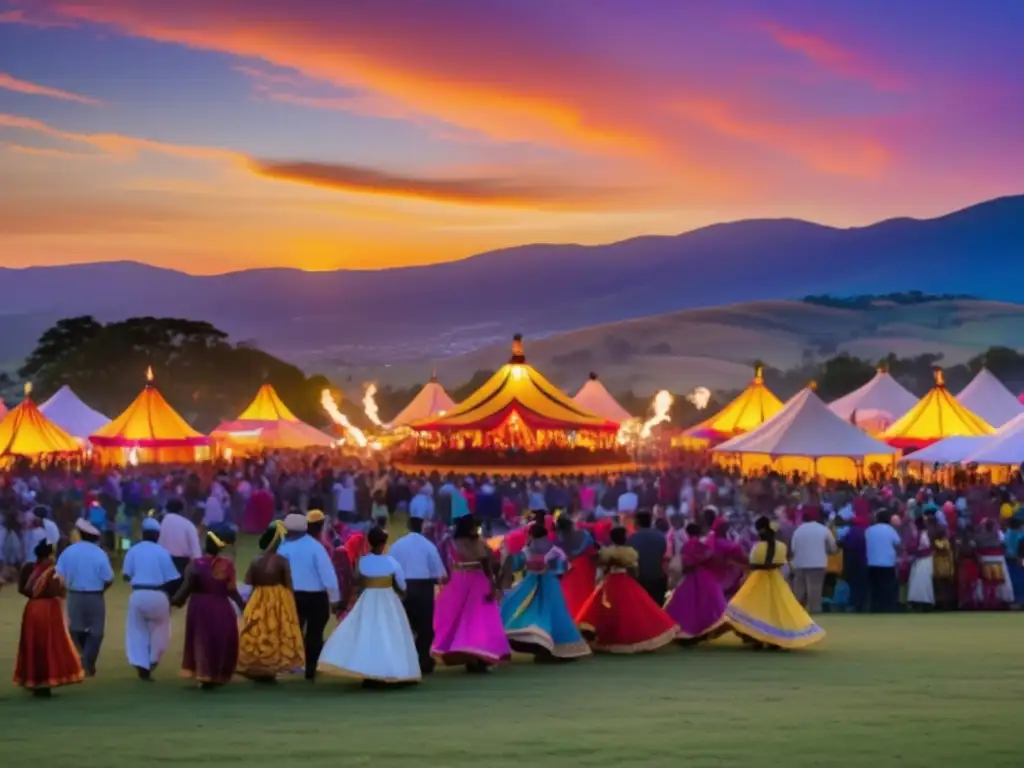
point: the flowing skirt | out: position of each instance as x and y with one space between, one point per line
996 577
697 605
579 582
766 611
920 587
467 622
46 656
270 642
537 621
373 641
620 617
211 640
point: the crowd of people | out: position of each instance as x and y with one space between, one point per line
554 567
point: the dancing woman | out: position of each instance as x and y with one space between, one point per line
764 612
211 625
270 642
47 658
697 605
374 642
619 616
467 619
581 577
534 613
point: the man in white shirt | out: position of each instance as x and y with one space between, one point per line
809 549
421 564
149 568
344 491
86 570
883 547
179 537
41 529
628 503
315 583
422 504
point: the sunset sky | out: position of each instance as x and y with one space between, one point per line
214 135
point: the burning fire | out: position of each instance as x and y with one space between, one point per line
328 404
370 405
662 405
700 397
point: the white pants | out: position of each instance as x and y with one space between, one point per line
149 627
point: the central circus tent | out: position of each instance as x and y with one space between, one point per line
517 409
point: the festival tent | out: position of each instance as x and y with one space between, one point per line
267 423
987 397
430 401
936 416
150 431
3 408
806 436
755 405
518 394
1005 448
877 405
949 450
67 411
594 397
24 431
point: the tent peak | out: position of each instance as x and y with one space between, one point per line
28 388
149 375
518 357
940 378
759 374
593 376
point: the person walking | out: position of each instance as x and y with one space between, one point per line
651 546
423 570
178 535
809 548
151 572
85 569
315 584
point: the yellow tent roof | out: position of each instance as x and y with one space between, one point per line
25 431
517 388
267 406
936 416
149 422
755 405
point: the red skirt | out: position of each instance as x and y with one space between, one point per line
46 656
578 583
620 617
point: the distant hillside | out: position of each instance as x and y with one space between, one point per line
342 317
716 347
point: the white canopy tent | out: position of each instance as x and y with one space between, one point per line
809 437
67 411
949 450
877 405
594 397
989 398
1005 447
430 401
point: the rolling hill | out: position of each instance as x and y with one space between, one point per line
332 319
716 347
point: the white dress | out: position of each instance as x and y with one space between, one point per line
920 589
374 641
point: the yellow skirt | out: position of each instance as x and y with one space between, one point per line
270 642
765 610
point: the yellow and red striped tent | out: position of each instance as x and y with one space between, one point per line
517 389
754 406
153 429
938 415
25 431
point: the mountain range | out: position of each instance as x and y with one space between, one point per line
330 320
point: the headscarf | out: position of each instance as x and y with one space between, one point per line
272 537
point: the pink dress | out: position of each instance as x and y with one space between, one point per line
698 604
467 619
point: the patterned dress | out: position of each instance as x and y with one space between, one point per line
270 642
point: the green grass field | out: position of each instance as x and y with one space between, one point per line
881 690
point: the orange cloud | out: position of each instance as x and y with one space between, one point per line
10 83
828 150
22 149
832 57
514 193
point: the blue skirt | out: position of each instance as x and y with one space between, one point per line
537 620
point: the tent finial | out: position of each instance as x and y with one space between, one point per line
433 374
518 357
28 388
940 378
759 374
812 385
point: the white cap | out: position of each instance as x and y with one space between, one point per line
84 526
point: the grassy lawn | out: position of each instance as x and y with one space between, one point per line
899 690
